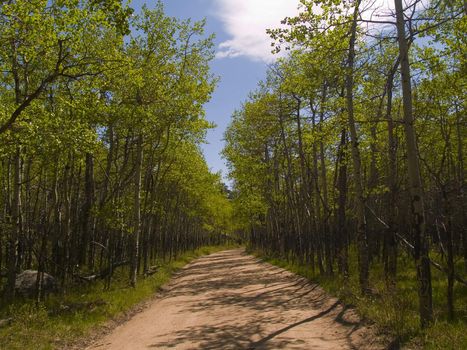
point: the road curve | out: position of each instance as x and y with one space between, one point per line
231 300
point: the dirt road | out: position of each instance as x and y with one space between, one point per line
230 300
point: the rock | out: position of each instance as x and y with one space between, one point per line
6 322
25 284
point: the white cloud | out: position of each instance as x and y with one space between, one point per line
246 21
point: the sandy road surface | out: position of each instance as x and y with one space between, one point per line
230 300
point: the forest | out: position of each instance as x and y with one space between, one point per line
348 158
346 163
101 122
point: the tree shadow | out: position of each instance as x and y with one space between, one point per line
241 306
263 341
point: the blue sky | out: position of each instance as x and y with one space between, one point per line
243 52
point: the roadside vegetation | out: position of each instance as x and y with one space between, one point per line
62 321
396 314
348 166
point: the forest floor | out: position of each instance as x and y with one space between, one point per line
232 300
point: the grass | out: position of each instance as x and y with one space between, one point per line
54 324
396 314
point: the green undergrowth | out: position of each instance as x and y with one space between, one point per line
62 320
395 314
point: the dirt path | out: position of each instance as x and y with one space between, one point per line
230 300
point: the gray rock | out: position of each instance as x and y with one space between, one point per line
6 322
25 284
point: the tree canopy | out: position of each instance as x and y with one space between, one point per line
100 131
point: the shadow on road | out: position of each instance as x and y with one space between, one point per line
265 299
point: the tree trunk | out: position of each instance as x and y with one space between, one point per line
357 167
342 200
86 226
422 260
15 231
137 213
390 261
324 187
